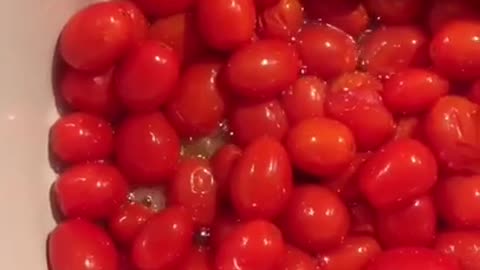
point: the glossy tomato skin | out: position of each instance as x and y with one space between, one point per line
139 22
397 173
257 244
222 164
198 105
390 49
164 240
354 22
237 20
320 146
462 245
96 37
147 149
353 254
261 182
443 12
80 137
397 11
457 201
198 259
413 259
161 8
413 91
194 187
282 20
454 50
262 69
147 76
79 245
296 259
307 93
411 225
312 207
128 221
90 191
325 51
249 121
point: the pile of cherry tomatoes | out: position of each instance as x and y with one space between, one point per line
280 135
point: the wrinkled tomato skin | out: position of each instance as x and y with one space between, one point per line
397 173
128 221
462 245
413 259
282 20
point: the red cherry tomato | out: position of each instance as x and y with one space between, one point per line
261 181
282 20
326 8
128 221
80 137
194 187
354 99
180 33
455 52
222 164
198 105
262 69
164 240
90 191
79 245
198 259
445 11
362 219
162 8
253 245
413 91
236 18
397 11
96 37
90 93
326 51
413 259
147 148
261 4
320 146
353 254
249 121
474 93
414 225
462 245
458 201
451 128
311 208
353 22
396 174
222 228
296 259
139 21
147 76
304 99
388 50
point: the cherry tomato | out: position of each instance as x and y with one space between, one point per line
353 254
249 121
164 240
254 245
388 50
461 244
261 181
445 11
78 245
320 146
353 22
397 11
282 20
397 173
96 37
296 259
162 8
236 18
455 52
362 219
128 221
180 33
304 99
474 92
198 105
222 228
311 208
326 51
354 99
412 259
222 164
262 69
413 91
80 137
261 4
198 259
412 225
326 8
451 128
194 187
139 21
457 201
147 148
90 93
147 76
